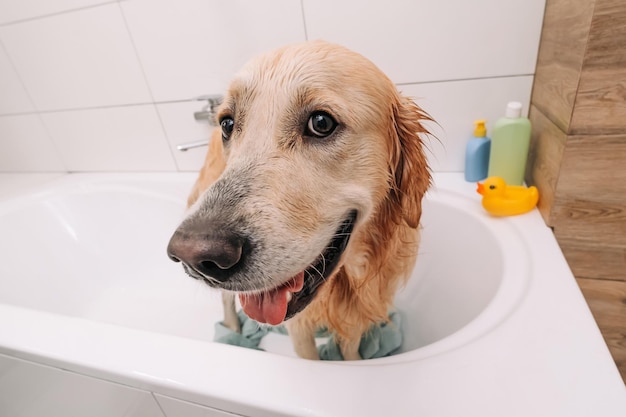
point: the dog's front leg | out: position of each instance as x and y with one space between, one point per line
231 320
303 338
350 348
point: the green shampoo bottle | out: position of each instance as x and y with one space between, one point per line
510 139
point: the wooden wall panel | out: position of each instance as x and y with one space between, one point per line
593 168
591 222
589 208
601 102
588 260
600 106
544 160
561 52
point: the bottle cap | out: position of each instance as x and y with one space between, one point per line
480 131
513 110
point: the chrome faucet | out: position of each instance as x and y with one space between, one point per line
206 113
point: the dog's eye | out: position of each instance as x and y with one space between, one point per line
227 124
320 125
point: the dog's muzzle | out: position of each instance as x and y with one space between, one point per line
218 256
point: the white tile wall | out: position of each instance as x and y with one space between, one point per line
110 139
428 40
15 10
25 146
13 96
78 59
180 128
78 62
192 47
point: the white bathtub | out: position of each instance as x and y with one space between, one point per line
95 320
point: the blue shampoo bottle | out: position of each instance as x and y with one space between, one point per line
477 153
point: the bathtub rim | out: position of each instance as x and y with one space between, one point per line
18 340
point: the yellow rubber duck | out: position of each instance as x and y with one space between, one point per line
500 199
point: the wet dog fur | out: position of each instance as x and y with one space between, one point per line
277 180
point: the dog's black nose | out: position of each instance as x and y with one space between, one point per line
217 256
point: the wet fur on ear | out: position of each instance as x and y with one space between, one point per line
409 170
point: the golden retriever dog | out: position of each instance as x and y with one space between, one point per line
309 202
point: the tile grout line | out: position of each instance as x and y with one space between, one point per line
102 107
306 30
110 106
54 14
36 113
452 80
145 79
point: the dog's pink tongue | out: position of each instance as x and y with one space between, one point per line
271 306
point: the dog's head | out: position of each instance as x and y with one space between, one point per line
318 146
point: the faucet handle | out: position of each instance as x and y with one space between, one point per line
208 111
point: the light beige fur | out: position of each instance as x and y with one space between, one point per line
303 186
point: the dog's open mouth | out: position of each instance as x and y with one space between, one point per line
279 304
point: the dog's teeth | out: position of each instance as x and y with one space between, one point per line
288 296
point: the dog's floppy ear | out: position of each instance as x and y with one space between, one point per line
408 164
